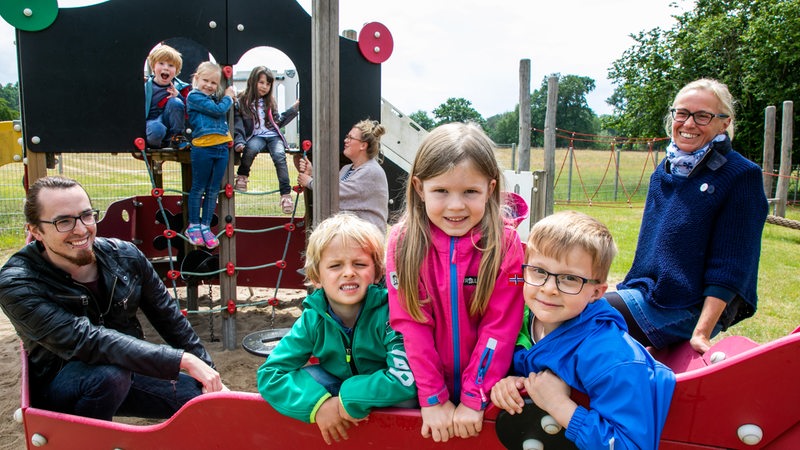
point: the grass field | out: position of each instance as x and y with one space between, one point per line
616 198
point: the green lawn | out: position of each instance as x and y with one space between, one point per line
616 198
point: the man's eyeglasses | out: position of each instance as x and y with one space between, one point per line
351 138
566 283
67 224
700 117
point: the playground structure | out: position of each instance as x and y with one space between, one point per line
739 395
710 410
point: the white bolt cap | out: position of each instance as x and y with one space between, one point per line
28 12
18 412
750 434
532 444
376 49
717 357
38 440
377 35
35 140
240 27
17 158
212 24
17 127
549 425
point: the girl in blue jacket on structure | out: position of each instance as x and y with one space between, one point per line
572 338
210 138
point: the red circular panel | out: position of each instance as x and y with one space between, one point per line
375 42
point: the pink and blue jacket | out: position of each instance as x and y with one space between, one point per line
453 355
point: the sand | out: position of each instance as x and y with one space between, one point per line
237 367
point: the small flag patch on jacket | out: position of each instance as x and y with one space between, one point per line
515 279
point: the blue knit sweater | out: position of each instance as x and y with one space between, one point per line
701 235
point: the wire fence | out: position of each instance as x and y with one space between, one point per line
611 177
112 177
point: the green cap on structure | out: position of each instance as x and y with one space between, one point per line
29 15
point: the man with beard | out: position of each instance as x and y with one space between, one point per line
73 298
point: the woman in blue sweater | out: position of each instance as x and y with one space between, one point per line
696 265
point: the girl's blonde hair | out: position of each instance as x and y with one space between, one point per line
558 234
443 149
352 230
208 67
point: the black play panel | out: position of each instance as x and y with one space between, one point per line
81 78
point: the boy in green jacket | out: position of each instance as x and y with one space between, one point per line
344 324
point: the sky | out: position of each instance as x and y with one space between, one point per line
472 49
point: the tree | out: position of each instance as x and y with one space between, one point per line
457 110
504 128
753 47
9 102
422 119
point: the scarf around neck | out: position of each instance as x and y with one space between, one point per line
682 163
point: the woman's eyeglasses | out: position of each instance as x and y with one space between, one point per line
351 138
700 117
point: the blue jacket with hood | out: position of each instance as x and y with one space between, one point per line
629 391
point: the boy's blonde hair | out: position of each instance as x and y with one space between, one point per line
559 233
167 54
444 148
352 230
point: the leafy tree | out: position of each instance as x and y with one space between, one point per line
504 128
9 102
573 112
422 118
753 47
457 110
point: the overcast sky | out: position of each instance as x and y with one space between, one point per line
472 49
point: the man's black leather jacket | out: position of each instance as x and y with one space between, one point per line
60 320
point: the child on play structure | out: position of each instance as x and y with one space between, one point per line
256 128
453 267
345 324
572 338
210 138
164 100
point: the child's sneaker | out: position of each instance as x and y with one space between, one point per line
195 235
241 183
286 203
210 238
179 142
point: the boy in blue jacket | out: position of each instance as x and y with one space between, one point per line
345 324
572 338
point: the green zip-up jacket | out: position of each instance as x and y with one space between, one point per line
377 374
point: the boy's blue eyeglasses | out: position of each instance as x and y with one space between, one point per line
565 282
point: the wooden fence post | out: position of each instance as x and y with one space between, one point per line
524 116
786 157
550 142
768 162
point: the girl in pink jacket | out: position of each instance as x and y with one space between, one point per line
453 270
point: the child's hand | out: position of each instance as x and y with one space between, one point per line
344 415
332 426
172 91
467 422
437 421
505 394
551 394
239 148
230 91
